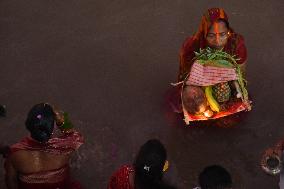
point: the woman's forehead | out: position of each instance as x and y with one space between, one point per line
218 27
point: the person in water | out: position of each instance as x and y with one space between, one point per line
214 32
147 170
41 160
215 177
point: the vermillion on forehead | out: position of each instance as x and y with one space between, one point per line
218 27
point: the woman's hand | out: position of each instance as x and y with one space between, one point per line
62 121
59 117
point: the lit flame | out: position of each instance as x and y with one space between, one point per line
208 113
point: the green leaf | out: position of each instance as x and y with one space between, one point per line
67 123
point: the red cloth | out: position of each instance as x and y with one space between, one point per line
64 144
201 75
52 179
120 179
235 45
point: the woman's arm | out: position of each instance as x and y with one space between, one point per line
11 175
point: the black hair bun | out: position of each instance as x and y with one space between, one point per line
40 122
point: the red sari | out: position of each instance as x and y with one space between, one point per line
120 179
52 179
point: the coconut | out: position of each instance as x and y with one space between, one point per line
194 99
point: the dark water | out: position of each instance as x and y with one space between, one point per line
108 63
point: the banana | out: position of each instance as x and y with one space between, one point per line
212 102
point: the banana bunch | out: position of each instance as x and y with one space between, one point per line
212 102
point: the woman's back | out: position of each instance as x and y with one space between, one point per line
27 162
40 161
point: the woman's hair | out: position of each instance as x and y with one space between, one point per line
149 165
40 122
215 177
226 23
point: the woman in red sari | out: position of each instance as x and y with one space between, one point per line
146 172
41 160
215 32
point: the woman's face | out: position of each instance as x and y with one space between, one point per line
217 36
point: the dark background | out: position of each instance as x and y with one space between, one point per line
109 64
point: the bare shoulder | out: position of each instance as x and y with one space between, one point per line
22 159
36 161
19 156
